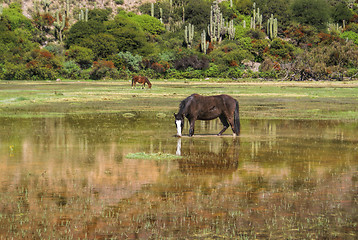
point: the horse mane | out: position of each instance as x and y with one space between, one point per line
185 103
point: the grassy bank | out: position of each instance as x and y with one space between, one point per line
260 99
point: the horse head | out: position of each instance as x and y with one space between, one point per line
179 123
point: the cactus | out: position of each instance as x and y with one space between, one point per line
83 16
204 44
152 10
216 28
231 30
272 27
46 5
161 15
256 18
67 9
189 35
59 25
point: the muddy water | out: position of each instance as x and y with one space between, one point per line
69 178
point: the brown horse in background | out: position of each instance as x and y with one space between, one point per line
142 80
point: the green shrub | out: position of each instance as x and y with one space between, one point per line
71 70
350 35
15 71
81 55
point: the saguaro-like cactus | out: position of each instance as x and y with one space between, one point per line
59 25
204 44
83 16
152 10
272 27
231 30
256 19
216 28
189 35
67 9
46 5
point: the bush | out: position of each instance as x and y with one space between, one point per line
81 55
15 72
103 69
234 72
350 36
126 60
71 70
192 61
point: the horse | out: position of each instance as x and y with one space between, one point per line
142 80
198 107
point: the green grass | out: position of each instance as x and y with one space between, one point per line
258 99
152 156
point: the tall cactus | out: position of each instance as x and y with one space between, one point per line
67 9
272 27
204 44
256 19
46 5
216 28
152 9
59 25
83 16
189 35
161 14
231 30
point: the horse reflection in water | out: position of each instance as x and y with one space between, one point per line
197 107
217 156
141 79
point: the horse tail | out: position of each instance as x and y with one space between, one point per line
133 80
237 119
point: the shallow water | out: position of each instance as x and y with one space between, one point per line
69 178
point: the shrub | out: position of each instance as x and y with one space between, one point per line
103 69
81 55
15 72
350 35
71 70
192 61
126 60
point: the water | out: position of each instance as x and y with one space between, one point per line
69 178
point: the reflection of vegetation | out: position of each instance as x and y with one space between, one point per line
153 156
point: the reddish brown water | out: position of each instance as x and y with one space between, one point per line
70 178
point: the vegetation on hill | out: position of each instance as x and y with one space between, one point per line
293 40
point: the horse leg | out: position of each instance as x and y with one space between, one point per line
232 124
191 129
223 120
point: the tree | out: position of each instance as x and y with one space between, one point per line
198 13
341 13
311 12
102 45
81 55
82 30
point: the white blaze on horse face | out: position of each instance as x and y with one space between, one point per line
178 123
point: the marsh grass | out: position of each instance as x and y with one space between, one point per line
153 156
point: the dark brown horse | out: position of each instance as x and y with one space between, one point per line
142 80
197 107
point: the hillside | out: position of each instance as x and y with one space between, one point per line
28 6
